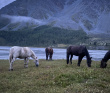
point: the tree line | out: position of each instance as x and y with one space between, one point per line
42 36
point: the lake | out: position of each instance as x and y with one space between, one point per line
58 53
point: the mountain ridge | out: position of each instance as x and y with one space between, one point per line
93 16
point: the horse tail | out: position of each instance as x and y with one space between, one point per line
10 55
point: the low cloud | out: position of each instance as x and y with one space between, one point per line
16 19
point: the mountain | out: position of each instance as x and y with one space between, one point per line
5 2
93 16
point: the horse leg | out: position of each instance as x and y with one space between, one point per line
79 60
10 69
11 64
50 56
46 56
67 58
26 60
71 58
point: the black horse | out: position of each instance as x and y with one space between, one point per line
49 53
105 59
80 51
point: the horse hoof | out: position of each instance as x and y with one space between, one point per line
25 66
37 65
78 65
10 69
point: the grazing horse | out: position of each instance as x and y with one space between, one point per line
22 53
49 52
79 51
105 59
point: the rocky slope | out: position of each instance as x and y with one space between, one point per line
93 16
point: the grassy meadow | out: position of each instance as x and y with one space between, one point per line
54 77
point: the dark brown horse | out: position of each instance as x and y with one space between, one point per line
79 51
105 59
49 53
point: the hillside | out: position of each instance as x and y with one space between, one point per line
42 36
93 16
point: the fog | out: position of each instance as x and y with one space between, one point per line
16 19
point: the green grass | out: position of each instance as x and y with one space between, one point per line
54 77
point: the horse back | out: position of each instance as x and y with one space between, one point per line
26 50
76 50
20 52
107 55
49 50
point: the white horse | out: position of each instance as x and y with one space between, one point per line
22 53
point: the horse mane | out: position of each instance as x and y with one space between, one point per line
106 57
33 55
87 53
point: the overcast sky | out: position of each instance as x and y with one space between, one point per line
5 2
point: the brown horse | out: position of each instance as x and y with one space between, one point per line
105 59
49 53
79 51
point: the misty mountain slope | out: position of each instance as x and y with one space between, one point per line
88 14
39 9
93 16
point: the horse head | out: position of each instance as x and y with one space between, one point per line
103 64
89 61
36 62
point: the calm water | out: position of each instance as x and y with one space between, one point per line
58 53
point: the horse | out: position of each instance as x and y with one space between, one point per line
22 53
104 60
79 51
49 53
